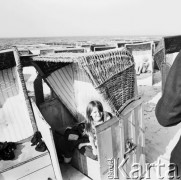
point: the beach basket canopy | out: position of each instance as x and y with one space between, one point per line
111 72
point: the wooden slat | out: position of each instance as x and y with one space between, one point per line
141 159
10 111
131 107
106 124
129 136
27 168
105 151
6 115
47 135
44 173
132 122
116 140
17 125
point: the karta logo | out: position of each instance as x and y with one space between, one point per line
117 170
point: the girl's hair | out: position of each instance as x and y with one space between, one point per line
89 109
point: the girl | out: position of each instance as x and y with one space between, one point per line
95 116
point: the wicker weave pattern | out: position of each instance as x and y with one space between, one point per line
101 67
119 89
113 75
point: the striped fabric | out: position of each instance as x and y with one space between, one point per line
15 123
62 81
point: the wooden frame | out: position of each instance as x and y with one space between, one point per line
111 138
139 52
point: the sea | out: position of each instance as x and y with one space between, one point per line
70 39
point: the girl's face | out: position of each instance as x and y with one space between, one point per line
96 115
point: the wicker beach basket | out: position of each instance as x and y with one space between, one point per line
112 74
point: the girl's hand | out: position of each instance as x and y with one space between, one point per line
95 151
81 145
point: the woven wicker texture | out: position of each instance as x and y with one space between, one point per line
112 74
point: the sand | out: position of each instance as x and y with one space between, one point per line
159 140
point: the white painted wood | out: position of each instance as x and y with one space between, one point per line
133 120
113 134
15 123
47 135
45 173
26 168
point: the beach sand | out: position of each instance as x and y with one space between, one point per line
159 140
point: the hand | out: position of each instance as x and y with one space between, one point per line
80 145
95 151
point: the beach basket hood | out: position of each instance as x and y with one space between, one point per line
112 74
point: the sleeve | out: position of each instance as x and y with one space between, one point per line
168 108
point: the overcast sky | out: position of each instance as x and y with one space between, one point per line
35 18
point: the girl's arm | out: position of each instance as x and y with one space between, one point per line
92 142
83 144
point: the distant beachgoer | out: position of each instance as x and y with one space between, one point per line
168 108
142 66
95 116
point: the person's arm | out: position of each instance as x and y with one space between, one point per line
92 143
83 144
168 108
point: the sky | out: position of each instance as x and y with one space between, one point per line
41 18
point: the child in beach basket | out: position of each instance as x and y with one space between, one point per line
95 116
82 135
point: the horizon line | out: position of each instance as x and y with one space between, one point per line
82 36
